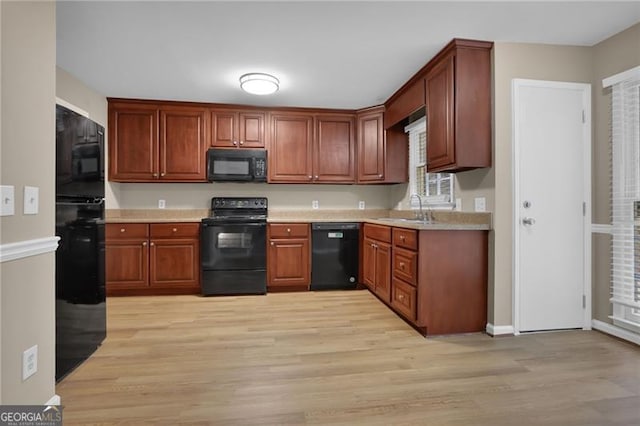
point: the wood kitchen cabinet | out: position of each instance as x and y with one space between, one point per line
383 156
157 258
151 142
458 107
376 260
237 129
288 257
438 278
312 148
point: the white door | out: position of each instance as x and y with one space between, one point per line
552 156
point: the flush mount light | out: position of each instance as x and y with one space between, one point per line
259 83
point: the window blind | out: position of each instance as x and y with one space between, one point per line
625 194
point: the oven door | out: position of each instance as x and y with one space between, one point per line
233 246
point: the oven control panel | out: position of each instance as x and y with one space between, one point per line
238 203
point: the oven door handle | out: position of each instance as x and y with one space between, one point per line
235 223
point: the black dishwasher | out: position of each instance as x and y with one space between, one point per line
334 256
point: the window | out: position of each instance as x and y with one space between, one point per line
436 189
625 196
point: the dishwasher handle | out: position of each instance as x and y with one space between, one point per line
333 226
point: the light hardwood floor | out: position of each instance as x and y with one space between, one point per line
338 358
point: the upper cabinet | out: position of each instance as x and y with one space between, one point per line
458 107
156 142
312 148
237 129
382 154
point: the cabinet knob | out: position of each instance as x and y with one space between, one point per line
122 230
162 174
380 175
235 143
175 229
310 177
402 237
144 243
272 243
152 244
316 177
241 142
401 265
289 230
401 297
155 175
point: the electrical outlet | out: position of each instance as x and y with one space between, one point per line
361 205
458 207
315 204
162 204
29 362
480 204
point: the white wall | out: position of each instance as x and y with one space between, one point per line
27 312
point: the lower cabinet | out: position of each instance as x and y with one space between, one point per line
376 260
288 257
156 258
435 279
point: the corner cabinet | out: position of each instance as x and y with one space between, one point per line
157 142
288 257
312 148
458 107
383 156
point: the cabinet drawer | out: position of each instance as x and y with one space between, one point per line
287 230
116 231
405 265
377 232
403 299
407 238
169 230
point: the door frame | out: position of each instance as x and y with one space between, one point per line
516 85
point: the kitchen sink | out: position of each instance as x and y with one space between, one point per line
406 220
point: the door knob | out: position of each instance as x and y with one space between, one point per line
528 221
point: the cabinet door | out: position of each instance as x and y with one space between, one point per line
334 149
290 150
383 271
440 114
133 143
223 129
251 129
126 264
289 262
370 147
174 263
183 145
369 263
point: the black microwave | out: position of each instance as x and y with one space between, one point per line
236 165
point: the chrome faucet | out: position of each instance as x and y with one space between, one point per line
426 217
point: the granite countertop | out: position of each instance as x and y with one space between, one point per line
443 220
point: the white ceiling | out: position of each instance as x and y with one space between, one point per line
326 54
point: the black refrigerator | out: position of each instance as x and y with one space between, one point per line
80 258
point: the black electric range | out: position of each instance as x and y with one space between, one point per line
233 246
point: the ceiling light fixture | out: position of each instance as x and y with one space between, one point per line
259 83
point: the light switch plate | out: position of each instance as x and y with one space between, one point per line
7 200
480 204
31 196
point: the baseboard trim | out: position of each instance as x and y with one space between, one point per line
616 331
54 400
22 249
499 330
